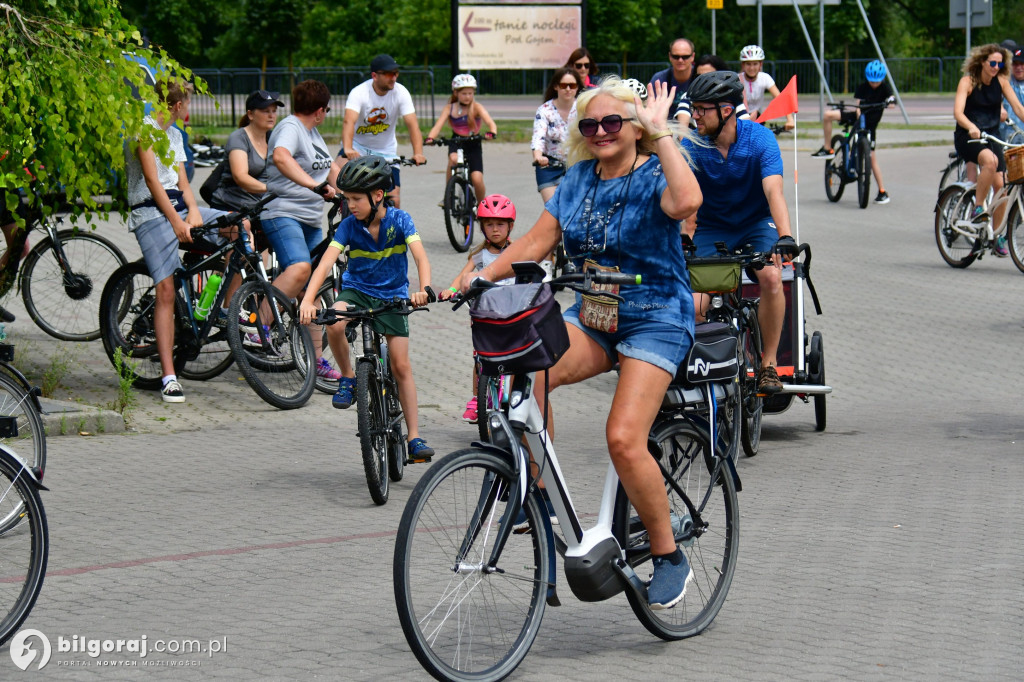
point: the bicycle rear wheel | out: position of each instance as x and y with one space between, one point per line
324 299
66 305
127 306
30 442
955 205
458 212
373 438
752 404
863 170
956 171
711 547
835 170
214 356
24 545
273 351
463 620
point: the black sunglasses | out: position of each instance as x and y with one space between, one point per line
582 65
681 56
611 124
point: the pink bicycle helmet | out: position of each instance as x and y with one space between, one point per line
496 206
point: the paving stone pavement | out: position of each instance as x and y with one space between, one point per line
887 547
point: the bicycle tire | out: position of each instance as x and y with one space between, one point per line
30 443
458 213
864 170
397 445
816 367
469 624
684 452
68 309
753 404
24 545
214 356
1015 235
835 170
373 438
280 366
127 305
324 299
954 204
487 388
955 171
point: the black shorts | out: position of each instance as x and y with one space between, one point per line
969 151
473 152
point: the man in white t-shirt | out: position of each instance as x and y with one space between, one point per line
371 114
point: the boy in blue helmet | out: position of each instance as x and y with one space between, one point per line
874 90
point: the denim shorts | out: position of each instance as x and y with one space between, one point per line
548 177
652 341
761 235
291 240
160 245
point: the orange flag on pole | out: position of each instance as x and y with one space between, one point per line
783 105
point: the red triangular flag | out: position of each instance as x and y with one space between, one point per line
783 105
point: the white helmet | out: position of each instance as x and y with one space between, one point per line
463 80
637 87
752 53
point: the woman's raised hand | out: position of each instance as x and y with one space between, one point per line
654 115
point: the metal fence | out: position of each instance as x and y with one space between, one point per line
231 86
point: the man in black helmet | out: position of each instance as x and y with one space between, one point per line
739 169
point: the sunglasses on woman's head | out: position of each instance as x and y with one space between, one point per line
611 124
996 65
567 86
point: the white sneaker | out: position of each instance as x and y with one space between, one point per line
172 393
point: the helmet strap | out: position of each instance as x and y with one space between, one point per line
374 207
722 120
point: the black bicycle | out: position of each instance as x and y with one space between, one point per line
380 416
261 332
459 197
852 160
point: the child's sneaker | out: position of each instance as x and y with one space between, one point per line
824 153
1000 249
325 371
346 394
471 415
172 393
882 198
419 451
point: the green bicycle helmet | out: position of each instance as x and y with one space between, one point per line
365 174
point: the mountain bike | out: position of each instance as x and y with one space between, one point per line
852 160
961 237
459 197
24 537
261 334
61 277
380 415
471 593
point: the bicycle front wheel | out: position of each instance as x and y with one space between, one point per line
710 542
24 545
488 395
1015 235
213 357
752 404
952 213
373 421
30 441
835 171
463 619
65 301
273 351
863 170
458 213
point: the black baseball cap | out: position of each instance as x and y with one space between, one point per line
261 99
1018 56
383 62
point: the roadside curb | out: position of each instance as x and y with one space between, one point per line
65 418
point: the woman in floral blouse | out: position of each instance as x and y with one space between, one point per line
551 128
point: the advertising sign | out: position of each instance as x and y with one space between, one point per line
517 37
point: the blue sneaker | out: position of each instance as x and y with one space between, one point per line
419 451
668 584
346 394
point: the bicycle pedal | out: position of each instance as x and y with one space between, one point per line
421 460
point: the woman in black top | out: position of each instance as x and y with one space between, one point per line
979 98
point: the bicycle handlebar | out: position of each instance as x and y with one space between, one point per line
985 138
398 306
235 218
577 281
842 106
441 141
553 163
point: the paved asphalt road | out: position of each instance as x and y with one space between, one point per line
887 547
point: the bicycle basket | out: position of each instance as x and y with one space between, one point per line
517 328
714 278
1014 165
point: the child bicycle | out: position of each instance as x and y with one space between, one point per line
471 593
381 437
852 160
260 332
19 401
460 198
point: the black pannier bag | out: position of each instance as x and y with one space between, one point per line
712 357
517 328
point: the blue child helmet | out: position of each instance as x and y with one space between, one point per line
875 71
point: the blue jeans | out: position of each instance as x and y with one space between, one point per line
291 240
652 341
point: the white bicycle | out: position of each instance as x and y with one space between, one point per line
471 592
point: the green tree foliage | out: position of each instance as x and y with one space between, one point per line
347 34
66 103
188 30
621 29
417 31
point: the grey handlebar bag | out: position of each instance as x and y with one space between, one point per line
517 329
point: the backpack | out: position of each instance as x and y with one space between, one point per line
212 183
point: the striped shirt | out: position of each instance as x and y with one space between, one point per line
378 268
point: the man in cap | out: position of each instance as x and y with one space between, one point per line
371 114
1006 130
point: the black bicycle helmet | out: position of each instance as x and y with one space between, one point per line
365 174
716 87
